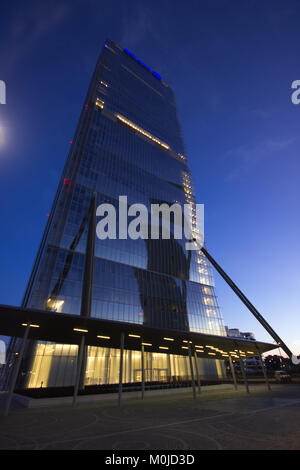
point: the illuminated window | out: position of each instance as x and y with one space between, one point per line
208 301
31 325
142 131
99 103
55 305
207 290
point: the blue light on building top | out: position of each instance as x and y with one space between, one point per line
155 74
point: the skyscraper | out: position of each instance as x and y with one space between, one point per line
128 142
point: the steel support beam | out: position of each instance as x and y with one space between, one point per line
121 368
233 373
87 284
16 368
244 373
106 365
129 365
88 276
197 371
143 371
80 356
246 302
169 368
263 368
192 372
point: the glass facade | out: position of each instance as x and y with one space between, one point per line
128 142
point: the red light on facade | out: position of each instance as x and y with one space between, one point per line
48 215
141 313
71 142
66 180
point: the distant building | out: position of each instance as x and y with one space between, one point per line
236 333
248 335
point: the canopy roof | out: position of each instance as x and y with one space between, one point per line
68 329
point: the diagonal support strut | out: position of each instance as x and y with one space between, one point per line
247 302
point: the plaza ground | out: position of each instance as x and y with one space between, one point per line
222 419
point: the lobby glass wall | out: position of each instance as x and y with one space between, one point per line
55 365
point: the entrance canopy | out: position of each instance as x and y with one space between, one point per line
68 329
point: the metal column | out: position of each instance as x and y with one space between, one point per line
192 372
197 371
121 368
143 371
81 350
243 372
16 369
129 366
186 364
263 368
106 366
151 370
86 296
169 368
87 285
233 373
88 278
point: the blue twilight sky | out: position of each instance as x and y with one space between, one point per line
231 65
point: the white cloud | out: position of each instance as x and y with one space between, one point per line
246 157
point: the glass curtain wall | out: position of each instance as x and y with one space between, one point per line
128 142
